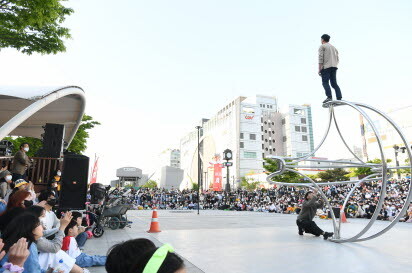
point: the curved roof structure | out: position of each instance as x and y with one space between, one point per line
25 110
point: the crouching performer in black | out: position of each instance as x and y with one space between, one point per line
305 218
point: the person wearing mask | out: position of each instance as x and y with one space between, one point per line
21 162
305 221
5 181
54 183
51 222
328 66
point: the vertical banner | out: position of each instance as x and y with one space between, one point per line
94 172
217 177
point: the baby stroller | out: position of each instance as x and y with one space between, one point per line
105 210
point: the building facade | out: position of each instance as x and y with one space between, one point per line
253 129
403 118
170 157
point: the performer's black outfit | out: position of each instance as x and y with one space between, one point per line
305 218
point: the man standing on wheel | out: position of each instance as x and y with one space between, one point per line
305 218
328 66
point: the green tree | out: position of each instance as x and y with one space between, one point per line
34 143
291 177
333 175
365 171
33 25
151 184
195 186
79 142
249 184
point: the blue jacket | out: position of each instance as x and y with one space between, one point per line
32 263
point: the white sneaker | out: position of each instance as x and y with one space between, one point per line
85 270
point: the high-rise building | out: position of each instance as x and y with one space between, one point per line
252 128
170 157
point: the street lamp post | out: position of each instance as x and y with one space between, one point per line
396 148
227 155
199 174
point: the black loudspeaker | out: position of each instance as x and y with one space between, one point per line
73 193
52 140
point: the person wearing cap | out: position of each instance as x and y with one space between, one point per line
328 65
21 162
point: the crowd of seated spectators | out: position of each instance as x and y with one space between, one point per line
283 199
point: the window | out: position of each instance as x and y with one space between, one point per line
297 128
266 140
263 156
242 145
241 135
298 111
266 149
249 154
252 136
283 121
261 128
303 120
273 141
270 151
261 105
298 154
262 137
270 141
266 131
274 149
284 139
273 132
261 119
304 138
273 123
265 123
304 129
263 146
270 133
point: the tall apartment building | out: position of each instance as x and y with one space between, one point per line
253 128
170 157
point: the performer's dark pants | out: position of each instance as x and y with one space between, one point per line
17 176
329 74
309 227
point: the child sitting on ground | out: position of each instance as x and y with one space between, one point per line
71 248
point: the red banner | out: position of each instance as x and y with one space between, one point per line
217 177
93 179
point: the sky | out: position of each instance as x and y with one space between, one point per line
152 69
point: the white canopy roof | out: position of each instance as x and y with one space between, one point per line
25 110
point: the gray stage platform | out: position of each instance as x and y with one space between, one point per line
218 241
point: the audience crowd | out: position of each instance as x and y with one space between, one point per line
35 238
283 199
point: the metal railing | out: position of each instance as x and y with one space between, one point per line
41 170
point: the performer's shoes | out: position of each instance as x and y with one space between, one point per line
339 98
327 100
300 231
326 235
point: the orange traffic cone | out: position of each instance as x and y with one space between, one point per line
343 216
154 225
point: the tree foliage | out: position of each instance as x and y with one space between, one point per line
34 143
79 142
249 184
291 177
195 186
151 184
33 25
333 175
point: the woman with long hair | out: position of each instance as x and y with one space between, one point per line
16 205
28 226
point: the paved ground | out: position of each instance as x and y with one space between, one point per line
220 241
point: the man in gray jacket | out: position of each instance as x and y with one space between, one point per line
21 162
305 218
328 65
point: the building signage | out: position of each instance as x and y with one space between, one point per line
217 177
249 117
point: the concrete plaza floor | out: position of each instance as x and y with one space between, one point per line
225 241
